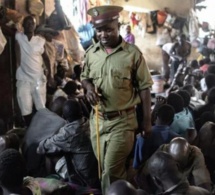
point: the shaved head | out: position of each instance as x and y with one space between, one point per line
121 187
179 150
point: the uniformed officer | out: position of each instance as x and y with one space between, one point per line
117 70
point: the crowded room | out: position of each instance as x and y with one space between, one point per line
107 97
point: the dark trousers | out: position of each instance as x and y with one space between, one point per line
174 67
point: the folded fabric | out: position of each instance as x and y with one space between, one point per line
138 153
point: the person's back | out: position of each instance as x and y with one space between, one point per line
190 160
209 106
73 139
166 175
182 119
43 125
161 133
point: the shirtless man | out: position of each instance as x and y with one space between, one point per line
179 52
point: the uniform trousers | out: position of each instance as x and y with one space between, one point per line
116 143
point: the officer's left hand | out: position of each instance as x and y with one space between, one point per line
147 129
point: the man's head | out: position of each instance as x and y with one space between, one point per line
12 169
29 24
121 187
165 115
57 105
128 29
72 110
194 64
189 89
70 88
186 97
176 101
46 32
179 149
105 21
210 80
164 170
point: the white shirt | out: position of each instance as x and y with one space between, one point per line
31 60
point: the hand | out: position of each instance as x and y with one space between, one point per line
147 129
92 96
160 100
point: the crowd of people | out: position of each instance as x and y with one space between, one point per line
100 130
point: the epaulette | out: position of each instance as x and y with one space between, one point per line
89 48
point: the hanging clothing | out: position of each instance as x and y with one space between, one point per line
86 33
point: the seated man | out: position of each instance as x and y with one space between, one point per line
12 169
209 106
205 141
73 139
166 175
182 119
161 133
186 98
12 180
122 187
43 125
190 160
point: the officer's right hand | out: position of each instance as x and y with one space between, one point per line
92 96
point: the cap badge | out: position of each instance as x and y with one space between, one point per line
95 12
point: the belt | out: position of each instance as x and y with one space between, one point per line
114 114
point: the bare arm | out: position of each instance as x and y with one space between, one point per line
146 106
91 94
48 66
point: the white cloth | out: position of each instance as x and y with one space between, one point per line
193 26
30 68
203 84
28 92
167 47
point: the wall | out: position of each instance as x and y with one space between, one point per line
21 6
180 7
147 42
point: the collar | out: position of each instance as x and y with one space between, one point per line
122 45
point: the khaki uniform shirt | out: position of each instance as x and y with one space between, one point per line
115 75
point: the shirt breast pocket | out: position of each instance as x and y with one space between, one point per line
95 74
121 79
